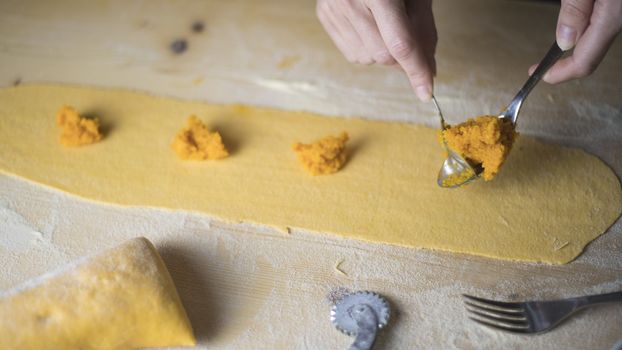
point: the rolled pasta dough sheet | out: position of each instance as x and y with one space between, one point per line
540 208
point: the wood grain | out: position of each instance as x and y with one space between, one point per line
252 287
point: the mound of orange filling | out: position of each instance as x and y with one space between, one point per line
76 130
196 142
324 156
485 140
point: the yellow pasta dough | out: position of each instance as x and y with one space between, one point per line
120 299
539 208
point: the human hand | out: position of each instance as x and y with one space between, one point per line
590 26
389 32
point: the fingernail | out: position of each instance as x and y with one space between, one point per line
424 93
566 37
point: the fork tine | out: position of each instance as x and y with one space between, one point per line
493 304
499 320
499 327
513 317
492 308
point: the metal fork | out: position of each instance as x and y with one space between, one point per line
530 316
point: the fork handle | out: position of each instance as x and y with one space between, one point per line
601 298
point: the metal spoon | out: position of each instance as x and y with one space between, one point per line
454 165
457 167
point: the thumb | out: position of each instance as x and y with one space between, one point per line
574 17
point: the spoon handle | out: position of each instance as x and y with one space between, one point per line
547 62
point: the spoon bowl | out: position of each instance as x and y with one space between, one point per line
456 171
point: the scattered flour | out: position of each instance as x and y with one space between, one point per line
16 234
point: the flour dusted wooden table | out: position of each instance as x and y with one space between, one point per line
247 286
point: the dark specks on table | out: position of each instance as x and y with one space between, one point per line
179 46
198 27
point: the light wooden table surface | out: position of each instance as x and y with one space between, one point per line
251 287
